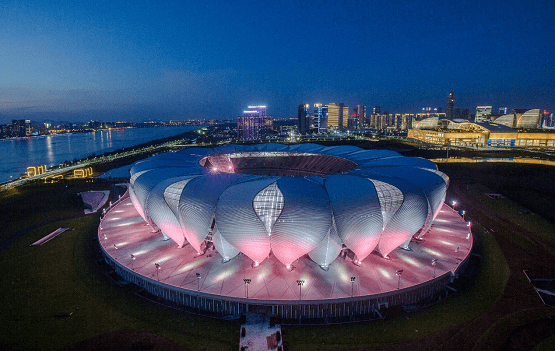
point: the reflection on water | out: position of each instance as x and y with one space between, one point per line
17 155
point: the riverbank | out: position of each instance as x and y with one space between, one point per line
113 159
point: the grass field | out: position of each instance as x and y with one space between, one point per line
40 283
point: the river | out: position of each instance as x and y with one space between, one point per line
18 154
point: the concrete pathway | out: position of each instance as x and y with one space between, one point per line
258 333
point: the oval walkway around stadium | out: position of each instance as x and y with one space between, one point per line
204 283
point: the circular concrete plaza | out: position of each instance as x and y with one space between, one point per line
203 281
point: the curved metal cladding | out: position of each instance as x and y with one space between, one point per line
364 155
369 199
430 181
357 212
407 219
401 161
304 221
340 150
148 180
161 212
197 204
443 193
225 249
328 250
136 203
238 222
309 148
172 195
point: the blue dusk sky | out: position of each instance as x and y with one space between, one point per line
137 60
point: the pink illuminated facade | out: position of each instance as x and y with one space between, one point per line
288 201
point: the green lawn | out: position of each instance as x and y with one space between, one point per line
61 276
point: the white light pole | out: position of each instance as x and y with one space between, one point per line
454 204
158 267
399 273
300 284
434 262
198 279
247 282
353 286
132 259
462 214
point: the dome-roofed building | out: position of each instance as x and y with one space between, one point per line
288 201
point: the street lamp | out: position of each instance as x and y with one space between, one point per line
198 279
300 284
158 267
132 259
462 214
399 273
247 282
353 286
454 204
434 262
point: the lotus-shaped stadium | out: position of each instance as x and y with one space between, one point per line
314 232
289 200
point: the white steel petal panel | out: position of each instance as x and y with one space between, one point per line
161 213
136 203
328 250
371 154
148 180
401 161
238 222
268 204
304 221
172 194
340 150
198 202
407 220
431 183
307 148
391 198
225 249
136 175
357 212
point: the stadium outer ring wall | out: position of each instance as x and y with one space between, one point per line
340 309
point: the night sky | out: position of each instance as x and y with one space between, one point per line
137 60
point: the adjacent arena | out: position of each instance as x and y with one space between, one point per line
293 231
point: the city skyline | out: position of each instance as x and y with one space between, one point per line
109 61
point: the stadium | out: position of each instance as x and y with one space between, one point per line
289 230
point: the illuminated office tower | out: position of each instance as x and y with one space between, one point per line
255 111
360 114
303 122
503 110
482 114
321 117
254 124
338 116
450 109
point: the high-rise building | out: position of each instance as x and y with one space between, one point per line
321 117
337 116
503 110
360 114
254 124
377 110
303 122
21 127
482 114
450 108
255 111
